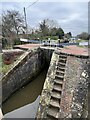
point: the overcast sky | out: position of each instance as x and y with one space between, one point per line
71 16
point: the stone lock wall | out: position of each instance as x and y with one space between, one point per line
74 98
22 72
47 88
47 53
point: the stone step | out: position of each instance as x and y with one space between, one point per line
61 63
56 95
53 113
59 77
57 88
59 72
65 57
57 85
59 92
58 81
54 105
60 68
62 55
62 60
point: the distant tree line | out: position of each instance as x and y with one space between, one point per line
84 36
13 27
49 28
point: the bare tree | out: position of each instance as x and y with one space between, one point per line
44 28
51 28
12 22
47 25
51 23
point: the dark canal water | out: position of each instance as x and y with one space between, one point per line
25 95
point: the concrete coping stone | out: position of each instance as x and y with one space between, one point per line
70 54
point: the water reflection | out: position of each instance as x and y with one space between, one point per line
28 111
26 95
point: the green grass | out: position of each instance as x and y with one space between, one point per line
78 41
81 46
3 67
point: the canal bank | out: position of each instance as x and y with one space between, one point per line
25 78
23 71
66 67
65 90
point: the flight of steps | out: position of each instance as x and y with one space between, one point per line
54 105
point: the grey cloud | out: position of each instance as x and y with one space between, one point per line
72 16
